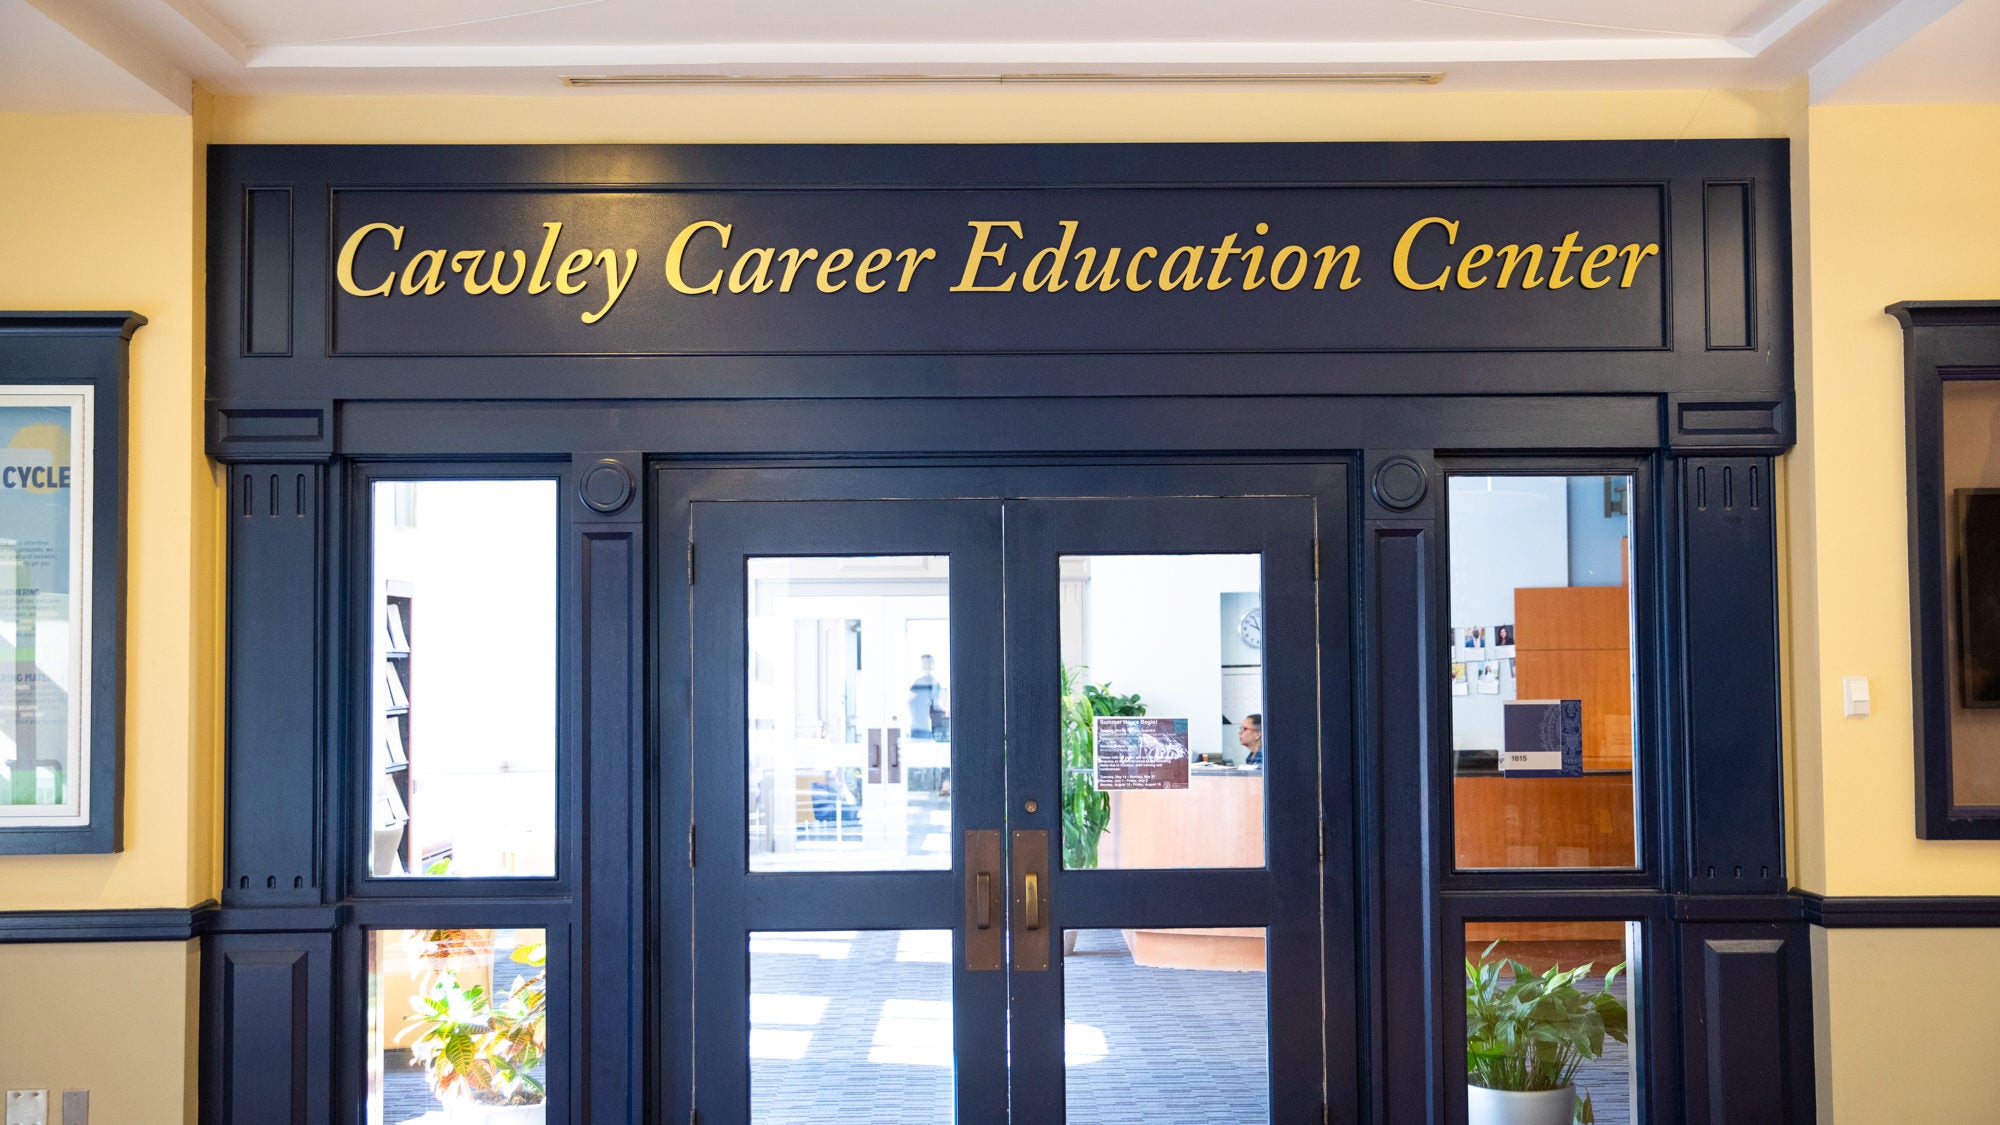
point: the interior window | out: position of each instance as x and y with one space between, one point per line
463 680
1541 656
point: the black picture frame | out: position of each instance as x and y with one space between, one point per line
1943 341
64 351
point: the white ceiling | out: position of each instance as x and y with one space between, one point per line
146 55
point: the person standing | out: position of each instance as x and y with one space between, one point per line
926 701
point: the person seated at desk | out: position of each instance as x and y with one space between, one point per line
1250 733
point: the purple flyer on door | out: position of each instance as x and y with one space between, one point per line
1141 753
1544 738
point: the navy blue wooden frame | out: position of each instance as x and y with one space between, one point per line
730 901
1298 800
1652 744
1325 484
1704 415
89 349
359 688
1942 340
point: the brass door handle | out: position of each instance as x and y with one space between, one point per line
1029 918
985 942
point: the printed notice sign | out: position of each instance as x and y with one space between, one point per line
1138 752
43 525
1544 738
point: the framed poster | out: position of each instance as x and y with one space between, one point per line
62 579
45 605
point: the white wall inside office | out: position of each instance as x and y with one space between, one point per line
1151 624
1507 533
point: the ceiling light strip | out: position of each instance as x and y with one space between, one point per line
1375 78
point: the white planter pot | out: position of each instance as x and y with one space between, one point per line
1509 1107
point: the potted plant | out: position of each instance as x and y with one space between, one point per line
480 1052
1086 812
1525 1037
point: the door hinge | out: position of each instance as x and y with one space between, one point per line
690 564
690 845
1315 560
694 1117
1325 1113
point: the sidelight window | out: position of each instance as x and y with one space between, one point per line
1542 648
462 681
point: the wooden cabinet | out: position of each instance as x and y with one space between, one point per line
1575 642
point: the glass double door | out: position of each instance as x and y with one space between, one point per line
1008 810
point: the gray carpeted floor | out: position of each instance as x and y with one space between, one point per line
855 1027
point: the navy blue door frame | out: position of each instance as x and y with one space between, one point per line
1173 509
1370 397
619 910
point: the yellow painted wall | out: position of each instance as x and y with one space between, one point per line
1900 203
1907 1025
116 1019
1905 205
102 212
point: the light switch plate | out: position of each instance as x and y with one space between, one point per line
1854 696
76 1107
27 1107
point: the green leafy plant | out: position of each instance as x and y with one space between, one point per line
1086 812
1525 1031
473 1046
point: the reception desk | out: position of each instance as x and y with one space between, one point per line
1217 821
1517 822
1514 822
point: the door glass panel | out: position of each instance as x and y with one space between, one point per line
1542 689
1162 711
850 1026
457 1024
849 713
1166 1025
463 682
1549 1007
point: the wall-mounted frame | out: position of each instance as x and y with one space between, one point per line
1952 397
62 385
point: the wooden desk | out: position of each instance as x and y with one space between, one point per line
1217 821
1515 822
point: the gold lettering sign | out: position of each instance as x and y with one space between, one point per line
1433 253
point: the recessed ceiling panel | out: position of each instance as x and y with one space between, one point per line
264 23
1950 62
1719 18
45 69
488 23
